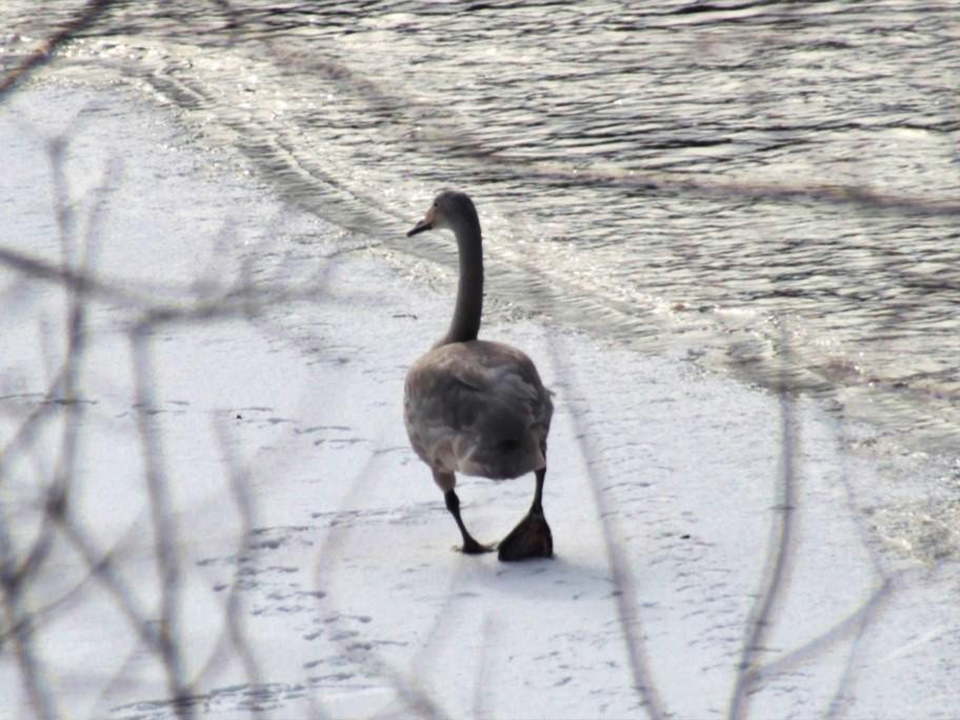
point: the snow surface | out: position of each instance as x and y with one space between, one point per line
663 486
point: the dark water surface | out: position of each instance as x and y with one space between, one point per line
770 187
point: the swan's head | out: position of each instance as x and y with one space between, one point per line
451 209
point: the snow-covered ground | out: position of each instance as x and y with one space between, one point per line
315 572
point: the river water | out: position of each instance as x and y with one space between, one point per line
767 188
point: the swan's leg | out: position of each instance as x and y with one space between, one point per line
532 537
537 506
446 482
470 545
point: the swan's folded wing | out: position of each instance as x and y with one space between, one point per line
490 389
478 408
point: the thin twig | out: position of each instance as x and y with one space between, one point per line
164 527
775 577
43 54
631 628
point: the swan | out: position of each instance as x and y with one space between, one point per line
478 407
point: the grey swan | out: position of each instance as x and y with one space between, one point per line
478 407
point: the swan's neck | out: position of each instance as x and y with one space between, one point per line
466 315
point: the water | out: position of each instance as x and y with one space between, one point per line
770 188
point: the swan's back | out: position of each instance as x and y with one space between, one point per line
478 408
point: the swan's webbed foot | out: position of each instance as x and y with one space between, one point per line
472 547
530 539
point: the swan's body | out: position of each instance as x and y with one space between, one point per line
478 407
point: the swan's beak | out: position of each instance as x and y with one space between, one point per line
425 224
420 227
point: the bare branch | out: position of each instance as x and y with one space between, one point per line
631 627
164 528
43 54
776 573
